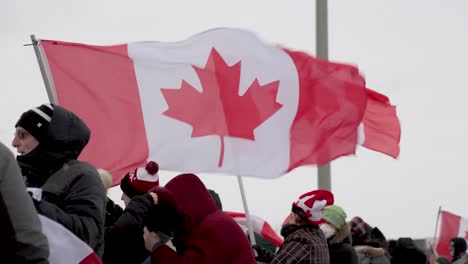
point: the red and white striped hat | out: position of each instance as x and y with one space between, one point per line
312 203
140 180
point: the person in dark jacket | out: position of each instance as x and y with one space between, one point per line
22 239
203 234
113 210
406 252
369 242
49 140
124 242
360 230
458 250
304 242
338 232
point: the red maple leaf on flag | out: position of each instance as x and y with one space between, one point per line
219 109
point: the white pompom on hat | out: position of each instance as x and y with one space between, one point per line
140 180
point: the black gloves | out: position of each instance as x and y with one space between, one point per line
263 255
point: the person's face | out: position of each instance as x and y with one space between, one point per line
23 141
125 199
452 250
294 219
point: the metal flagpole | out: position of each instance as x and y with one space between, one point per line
435 231
321 15
45 70
246 209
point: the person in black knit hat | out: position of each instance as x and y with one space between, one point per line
124 238
49 139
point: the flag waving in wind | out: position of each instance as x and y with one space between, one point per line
220 101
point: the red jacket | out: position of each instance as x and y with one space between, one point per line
208 235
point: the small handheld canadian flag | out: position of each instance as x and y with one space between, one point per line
451 226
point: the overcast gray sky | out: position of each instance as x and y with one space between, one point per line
415 52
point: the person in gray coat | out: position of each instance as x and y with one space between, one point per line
49 139
22 239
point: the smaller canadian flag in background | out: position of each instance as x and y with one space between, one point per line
260 226
450 226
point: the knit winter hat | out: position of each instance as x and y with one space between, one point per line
312 203
359 227
140 180
36 121
335 215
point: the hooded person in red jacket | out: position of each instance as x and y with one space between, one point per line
202 233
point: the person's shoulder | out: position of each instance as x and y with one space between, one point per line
345 248
462 260
218 224
81 172
6 158
81 168
219 218
5 152
309 235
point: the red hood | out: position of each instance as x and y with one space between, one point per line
192 197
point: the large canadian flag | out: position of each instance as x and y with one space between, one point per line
64 246
450 226
221 101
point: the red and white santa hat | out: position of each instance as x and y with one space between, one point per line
312 203
140 180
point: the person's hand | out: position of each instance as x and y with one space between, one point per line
262 254
151 239
155 197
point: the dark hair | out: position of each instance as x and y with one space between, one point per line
459 247
165 216
215 196
406 242
299 212
161 219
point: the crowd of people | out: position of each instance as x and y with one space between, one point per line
180 222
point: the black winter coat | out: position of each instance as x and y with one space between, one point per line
22 240
113 212
340 249
124 242
72 192
341 253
